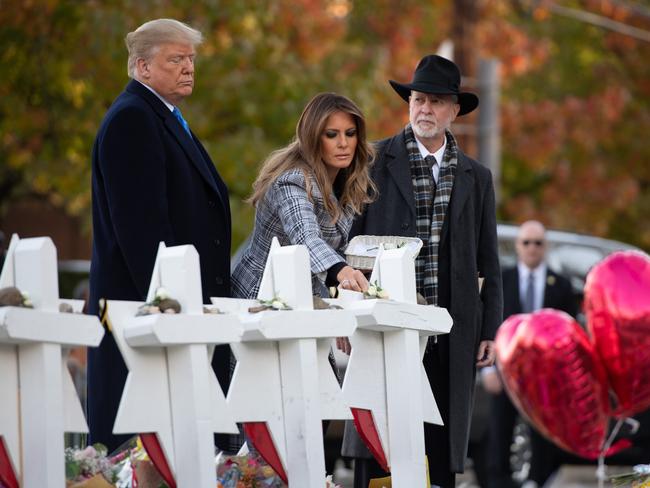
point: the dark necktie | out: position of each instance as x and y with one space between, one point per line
529 298
181 120
431 162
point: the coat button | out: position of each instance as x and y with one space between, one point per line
216 242
218 280
211 203
405 225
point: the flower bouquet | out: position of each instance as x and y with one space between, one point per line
251 471
638 478
247 471
91 467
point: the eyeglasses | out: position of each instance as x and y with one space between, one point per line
536 242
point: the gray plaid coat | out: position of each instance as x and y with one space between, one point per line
287 213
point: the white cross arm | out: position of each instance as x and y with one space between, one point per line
387 315
161 330
22 325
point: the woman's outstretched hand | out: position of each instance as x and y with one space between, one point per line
352 279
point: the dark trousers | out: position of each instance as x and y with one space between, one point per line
436 437
545 456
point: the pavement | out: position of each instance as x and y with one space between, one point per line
569 476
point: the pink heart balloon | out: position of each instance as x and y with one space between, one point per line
554 377
617 305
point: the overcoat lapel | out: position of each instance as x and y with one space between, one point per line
184 140
400 172
190 148
463 185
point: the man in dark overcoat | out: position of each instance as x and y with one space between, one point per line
527 287
152 181
428 188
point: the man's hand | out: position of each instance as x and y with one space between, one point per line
486 354
343 344
491 381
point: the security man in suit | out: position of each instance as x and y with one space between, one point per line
527 287
152 181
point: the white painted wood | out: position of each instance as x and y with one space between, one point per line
41 410
302 414
180 275
267 286
146 384
7 276
9 413
169 366
291 282
41 401
35 270
255 393
400 284
154 284
192 415
283 376
332 402
20 325
405 415
162 330
385 373
364 385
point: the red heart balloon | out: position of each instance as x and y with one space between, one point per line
554 377
617 305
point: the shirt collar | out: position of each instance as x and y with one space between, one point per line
167 104
438 154
524 270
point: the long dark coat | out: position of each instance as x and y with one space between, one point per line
468 251
151 182
503 414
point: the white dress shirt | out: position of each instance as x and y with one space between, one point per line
435 169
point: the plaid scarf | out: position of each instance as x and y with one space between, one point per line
431 202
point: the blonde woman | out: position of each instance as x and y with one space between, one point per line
308 193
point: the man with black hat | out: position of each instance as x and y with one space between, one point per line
428 188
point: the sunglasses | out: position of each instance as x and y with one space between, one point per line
536 242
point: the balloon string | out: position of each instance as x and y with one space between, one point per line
601 473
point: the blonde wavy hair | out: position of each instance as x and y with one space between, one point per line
304 152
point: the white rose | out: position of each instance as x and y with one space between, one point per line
162 293
382 294
372 291
277 304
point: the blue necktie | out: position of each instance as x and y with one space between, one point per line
183 122
529 298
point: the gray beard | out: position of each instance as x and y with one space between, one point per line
427 134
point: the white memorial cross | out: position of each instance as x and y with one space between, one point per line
385 384
283 378
171 389
39 400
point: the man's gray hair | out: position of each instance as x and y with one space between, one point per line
142 42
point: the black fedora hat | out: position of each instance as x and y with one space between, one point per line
438 76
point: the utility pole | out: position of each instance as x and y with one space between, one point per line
463 34
489 121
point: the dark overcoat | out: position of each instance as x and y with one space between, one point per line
468 251
557 293
503 414
151 182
